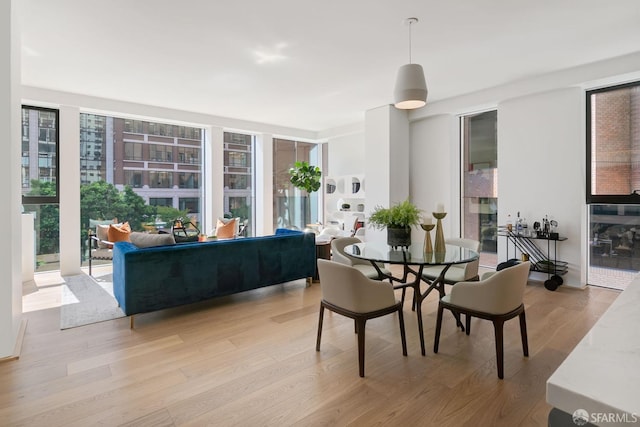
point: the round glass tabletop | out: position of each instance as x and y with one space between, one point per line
413 255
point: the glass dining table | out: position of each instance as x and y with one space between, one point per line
413 259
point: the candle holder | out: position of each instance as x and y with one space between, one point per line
428 247
440 245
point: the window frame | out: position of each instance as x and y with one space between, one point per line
55 199
605 199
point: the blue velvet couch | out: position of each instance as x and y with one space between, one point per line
154 278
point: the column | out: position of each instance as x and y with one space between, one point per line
386 160
10 197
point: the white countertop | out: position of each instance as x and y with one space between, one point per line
602 374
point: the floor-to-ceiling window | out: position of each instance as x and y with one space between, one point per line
613 184
479 182
292 207
143 172
40 183
239 186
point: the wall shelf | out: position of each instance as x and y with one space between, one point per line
344 190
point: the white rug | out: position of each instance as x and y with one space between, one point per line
86 300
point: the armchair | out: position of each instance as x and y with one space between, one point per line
100 248
498 298
348 292
457 272
365 267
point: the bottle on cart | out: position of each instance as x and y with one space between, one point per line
525 228
509 223
519 225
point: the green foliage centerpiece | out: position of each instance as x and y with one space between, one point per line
398 220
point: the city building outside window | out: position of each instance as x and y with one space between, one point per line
479 134
129 169
133 151
290 205
613 184
239 188
40 181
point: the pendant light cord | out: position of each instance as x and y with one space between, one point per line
410 23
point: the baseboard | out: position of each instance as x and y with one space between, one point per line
18 347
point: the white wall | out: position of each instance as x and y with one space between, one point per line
346 154
541 152
10 203
434 169
541 168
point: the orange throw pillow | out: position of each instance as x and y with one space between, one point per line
119 233
226 230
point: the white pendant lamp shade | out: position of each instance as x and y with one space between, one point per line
411 88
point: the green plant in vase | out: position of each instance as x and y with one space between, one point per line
308 178
398 220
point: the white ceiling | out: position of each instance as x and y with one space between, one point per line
307 64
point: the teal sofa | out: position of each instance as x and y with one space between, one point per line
154 278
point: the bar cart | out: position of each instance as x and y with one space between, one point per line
541 261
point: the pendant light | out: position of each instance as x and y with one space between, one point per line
411 88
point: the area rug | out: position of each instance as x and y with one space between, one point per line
87 300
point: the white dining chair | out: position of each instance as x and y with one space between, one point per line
365 267
348 292
498 297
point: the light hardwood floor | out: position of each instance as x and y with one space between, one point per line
250 360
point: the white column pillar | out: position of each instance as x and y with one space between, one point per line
386 160
69 174
264 185
10 193
213 165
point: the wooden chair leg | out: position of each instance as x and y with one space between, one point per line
498 326
468 324
523 334
320 318
436 339
403 336
131 322
361 325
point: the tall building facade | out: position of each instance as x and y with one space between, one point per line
161 162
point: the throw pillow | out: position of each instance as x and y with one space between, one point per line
119 233
228 229
147 240
102 232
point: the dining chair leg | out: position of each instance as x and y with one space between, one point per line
468 324
403 336
436 339
523 334
361 325
498 326
321 316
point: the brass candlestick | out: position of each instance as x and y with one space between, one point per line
440 245
428 247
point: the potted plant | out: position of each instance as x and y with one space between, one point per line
398 220
305 177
